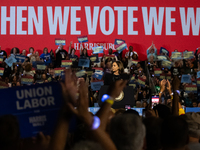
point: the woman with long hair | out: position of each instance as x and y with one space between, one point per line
117 73
46 56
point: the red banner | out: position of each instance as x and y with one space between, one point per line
170 24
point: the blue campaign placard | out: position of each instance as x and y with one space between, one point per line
176 55
9 61
93 110
119 41
139 110
188 55
97 50
98 74
198 74
192 109
84 63
96 86
40 65
82 39
94 58
36 107
20 58
164 51
1 59
186 78
59 41
120 45
80 73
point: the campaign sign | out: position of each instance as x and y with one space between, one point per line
132 78
73 58
1 59
176 55
98 73
118 41
192 109
36 107
164 51
1 71
82 39
198 74
157 72
97 49
141 81
33 70
66 63
186 78
40 66
96 85
135 62
162 76
84 63
167 64
89 72
188 55
191 89
58 71
93 110
80 74
9 61
59 41
133 85
120 45
139 110
198 82
20 58
110 56
3 85
94 58
40 81
161 58
168 77
28 80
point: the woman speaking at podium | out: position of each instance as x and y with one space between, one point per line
117 73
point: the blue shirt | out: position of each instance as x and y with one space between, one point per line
46 58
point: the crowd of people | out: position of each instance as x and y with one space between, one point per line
114 67
164 125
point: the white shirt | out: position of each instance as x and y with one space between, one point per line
127 54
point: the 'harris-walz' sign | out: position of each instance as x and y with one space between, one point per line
36 107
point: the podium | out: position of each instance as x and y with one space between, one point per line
125 98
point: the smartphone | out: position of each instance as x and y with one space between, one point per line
127 107
155 100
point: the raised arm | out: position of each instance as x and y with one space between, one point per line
162 89
113 92
69 90
175 102
91 122
70 47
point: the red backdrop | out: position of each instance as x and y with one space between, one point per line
178 26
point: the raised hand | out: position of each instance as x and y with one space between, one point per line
116 88
162 85
169 85
69 88
82 109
